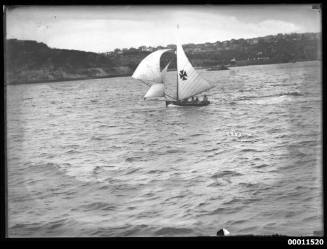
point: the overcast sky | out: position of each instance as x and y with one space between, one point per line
104 28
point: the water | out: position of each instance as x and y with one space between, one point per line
91 158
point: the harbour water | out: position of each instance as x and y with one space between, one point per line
92 158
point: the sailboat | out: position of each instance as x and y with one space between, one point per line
189 82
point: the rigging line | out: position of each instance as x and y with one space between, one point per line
170 96
148 84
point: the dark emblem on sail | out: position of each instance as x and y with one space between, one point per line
183 75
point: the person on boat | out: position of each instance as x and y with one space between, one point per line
196 100
205 98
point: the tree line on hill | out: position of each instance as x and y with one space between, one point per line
29 61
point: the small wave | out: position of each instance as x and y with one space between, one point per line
238 222
270 225
311 218
234 200
44 154
272 95
249 185
251 201
210 150
97 206
72 152
177 160
155 171
215 184
132 230
248 229
133 159
96 138
226 173
97 169
217 211
175 151
250 150
307 142
105 126
171 231
55 224
270 99
36 228
261 166
295 194
308 199
201 204
44 167
274 130
132 171
283 136
292 94
195 135
290 214
25 225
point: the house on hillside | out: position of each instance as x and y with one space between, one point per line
253 41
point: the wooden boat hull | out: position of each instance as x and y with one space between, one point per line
180 103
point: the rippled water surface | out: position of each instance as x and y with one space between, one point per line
92 158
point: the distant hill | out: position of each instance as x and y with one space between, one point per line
30 61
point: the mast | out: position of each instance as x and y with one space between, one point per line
176 74
177 63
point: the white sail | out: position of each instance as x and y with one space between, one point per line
190 82
149 67
164 72
156 90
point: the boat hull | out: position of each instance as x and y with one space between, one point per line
181 103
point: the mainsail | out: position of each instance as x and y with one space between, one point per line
149 68
190 83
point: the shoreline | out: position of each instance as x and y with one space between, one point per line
127 75
68 79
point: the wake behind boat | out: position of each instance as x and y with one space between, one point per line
188 84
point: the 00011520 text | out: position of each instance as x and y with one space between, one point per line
305 242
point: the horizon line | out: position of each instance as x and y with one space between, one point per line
164 45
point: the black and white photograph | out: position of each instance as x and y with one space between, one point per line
163 120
